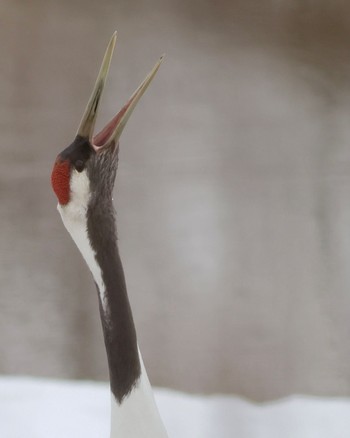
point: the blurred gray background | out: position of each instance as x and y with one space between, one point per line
233 191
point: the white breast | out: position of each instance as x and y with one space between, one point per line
137 416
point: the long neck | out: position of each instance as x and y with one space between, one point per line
134 413
117 321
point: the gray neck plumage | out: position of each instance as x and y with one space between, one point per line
116 316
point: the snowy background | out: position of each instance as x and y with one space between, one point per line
47 408
233 210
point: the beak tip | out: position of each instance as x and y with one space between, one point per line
113 41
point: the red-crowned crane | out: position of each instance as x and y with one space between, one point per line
83 179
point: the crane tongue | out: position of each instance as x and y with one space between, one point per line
111 133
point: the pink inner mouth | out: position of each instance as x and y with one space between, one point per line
103 136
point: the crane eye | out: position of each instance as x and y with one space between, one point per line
79 165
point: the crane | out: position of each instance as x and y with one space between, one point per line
83 179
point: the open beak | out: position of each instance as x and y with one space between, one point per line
110 134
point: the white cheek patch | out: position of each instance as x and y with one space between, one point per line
79 195
74 218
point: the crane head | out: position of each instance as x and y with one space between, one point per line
86 169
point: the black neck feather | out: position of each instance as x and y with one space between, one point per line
116 316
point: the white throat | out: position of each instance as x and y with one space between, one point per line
74 218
